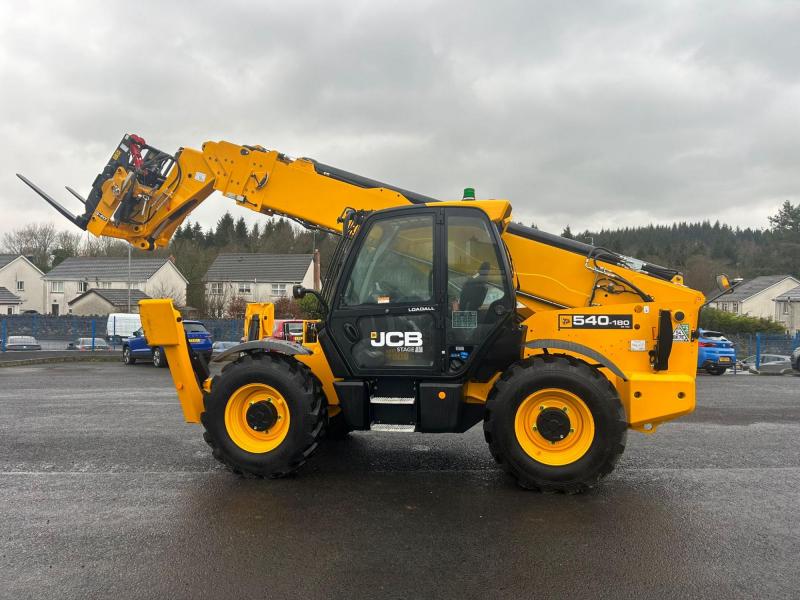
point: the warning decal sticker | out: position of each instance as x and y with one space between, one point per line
681 333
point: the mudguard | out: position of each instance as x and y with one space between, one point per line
266 345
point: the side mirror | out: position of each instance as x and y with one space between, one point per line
725 285
299 292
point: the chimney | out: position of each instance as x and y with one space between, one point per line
317 282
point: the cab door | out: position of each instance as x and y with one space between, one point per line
387 312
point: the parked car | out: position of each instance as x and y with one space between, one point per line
86 344
219 347
22 342
716 352
770 363
30 311
288 329
136 347
795 359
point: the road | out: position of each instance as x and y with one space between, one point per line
106 493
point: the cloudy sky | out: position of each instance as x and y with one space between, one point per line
595 114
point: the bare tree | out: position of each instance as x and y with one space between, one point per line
217 303
162 290
104 246
35 240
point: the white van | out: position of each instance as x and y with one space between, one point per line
121 326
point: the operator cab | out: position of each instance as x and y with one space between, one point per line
425 296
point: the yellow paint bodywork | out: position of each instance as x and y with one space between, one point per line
265 313
551 282
163 327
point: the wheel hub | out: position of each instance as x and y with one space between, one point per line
261 416
553 424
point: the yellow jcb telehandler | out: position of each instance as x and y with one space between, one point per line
436 315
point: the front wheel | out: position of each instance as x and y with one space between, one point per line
159 360
264 416
555 424
127 356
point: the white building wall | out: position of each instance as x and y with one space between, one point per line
20 269
167 281
95 305
261 291
9 309
788 314
760 304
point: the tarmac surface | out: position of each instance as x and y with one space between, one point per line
105 492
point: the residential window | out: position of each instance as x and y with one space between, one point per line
278 290
20 286
106 285
83 286
216 289
57 287
735 307
244 287
785 307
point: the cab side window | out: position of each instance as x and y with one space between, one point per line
475 285
394 264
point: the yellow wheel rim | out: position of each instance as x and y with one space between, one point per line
262 406
532 424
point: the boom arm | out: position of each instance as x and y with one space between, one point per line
144 194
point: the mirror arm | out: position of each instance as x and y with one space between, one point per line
298 292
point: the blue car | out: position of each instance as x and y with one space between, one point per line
136 347
716 353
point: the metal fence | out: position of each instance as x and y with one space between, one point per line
55 332
756 344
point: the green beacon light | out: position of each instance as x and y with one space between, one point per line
469 194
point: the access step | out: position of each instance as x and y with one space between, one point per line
394 427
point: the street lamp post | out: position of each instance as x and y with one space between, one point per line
129 278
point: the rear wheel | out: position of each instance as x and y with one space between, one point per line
127 356
555 424
715 370
159 360
264 416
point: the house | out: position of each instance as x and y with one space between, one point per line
24 280
9 303
156 277
99 301
755 298
257 278
787 310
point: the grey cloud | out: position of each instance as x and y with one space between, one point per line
592 114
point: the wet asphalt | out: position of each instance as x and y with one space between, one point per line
106 493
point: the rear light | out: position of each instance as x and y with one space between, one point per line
706 344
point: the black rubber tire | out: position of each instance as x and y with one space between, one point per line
127 356
337 428
306 408
159 359
526 377
714 370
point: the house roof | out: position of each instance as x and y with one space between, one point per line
114 296
792 295
105 269
6 258
750 288
7 297
282 268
